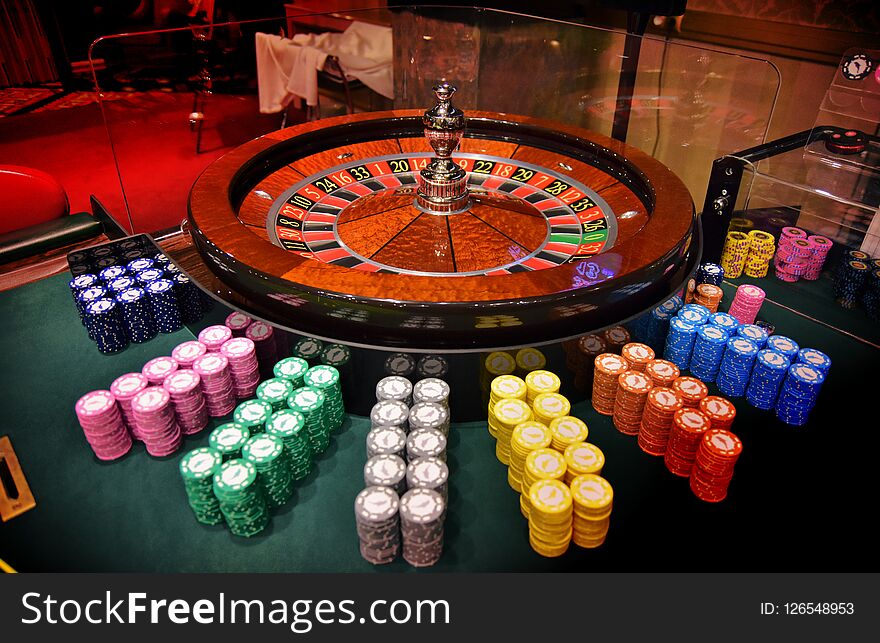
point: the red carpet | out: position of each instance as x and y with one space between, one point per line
154 147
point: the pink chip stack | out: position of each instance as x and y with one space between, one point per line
102 424
262 335
187 353
156 421
184 387
820 246
792 255
746 303
238 323
124 388
243 366
213 337
217 385
158 368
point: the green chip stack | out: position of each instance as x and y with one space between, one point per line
197 468
253 414
289 426
228 439
293 369
275 391
266 453
309 401
326 379
308 348
241 498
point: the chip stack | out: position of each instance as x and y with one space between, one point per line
275 392
243 366
422 515
662 372
593 497
579 357
735 253
82 282
709 296
431 389
241 498
187 353
158 368
427 415
145 277
850 282
105 326
799 392
581 458
101 421
695 314
156 422
386 440
688 427
263 337
136 266
396 388
237 322
217 384
525 438
401 364
657 420
308 348
429 473
376 511
327 380
761 250
541 464
528 360
713 469
293 369
629 404
785 345
213 337
121 284
163 305
550 406
124 388
253 415
197 468
820 247
137 314
503 417
504 387
608 368
188 296
494 365
425 443
654 327
228 439
720 411
386 471
567 430
792 259
690 389
723 320
616 338
310 402
753 332
709 273
184 387
266 453
289 426
431 366
541 382
736 366
637 355
390 413
708 352
767 375
550 517
746 303
815 358
680 342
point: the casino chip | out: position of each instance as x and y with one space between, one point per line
429 473
525 438
137 314
326 379
187 353
592 498
428 415
710 273
158 368
310 401
213 337
228 439
401 364
629 403
243 366
550 517
394 387
308 348
266 453
505 414
289 426
124 388
432 366
728 322
736 366
762 247
184 388
717 454
657 420
540 464
241 498
425 443
275 392
431 389
253 415
680 342
505 387
708 350
237 322
767 375
814 358
163 305
265 341
581 458
567 430
746 303
291 368
799 392
386 471
376 511
540 382
688 427
422 517
217 384
197 468
637 355
662 372
753 332
608 368
390 413
735 253
386 440
550 406
156 422
103 320
784 345
102 424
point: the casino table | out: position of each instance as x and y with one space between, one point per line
799 499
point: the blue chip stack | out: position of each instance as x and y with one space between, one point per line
767 375
189 300
736 366
725 321
104 322
694 314
137 315
754 333
672 305
139 265
851 279
680 342
111 272
121 284
161 260
785 345
708 350
799 392
163 305
148 276
87 296
815 358
710 273
82 282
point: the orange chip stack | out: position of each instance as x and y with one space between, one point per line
690 390
688 427
608 368
662 372
713 470
708 295
616 338
638 355
657 419
632 394
719 410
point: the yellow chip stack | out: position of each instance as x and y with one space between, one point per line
505 415
538 382
550 518
581 458
493 365
567 430
736 250
592 496
550 406
505 387
761 250
541 464
526 437
528 360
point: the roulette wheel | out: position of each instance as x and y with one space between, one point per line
440 230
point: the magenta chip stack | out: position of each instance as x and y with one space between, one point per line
238 322
746 303
124 388
184 387
101 422
820 246
156 421
243 366
188 352
263 337
213 337
217 384
158 368
792 254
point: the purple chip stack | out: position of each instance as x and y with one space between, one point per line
102 424
820 246
158 368
792 255
187 353
124 388
184 387
238 322
156 422
263 337
243 366
213 337
216 383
